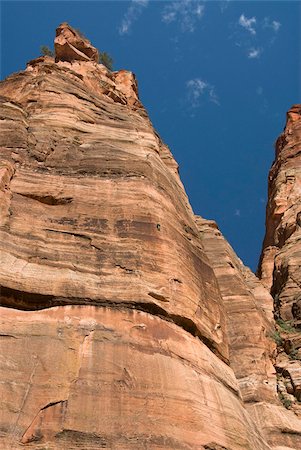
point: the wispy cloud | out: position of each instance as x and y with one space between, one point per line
261 34
132 14
248 24
198 89
237 213
186 12
273 24
254 53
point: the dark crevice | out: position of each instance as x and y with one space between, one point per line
214 446
79 235
53 404
289 431
27 301
48 199
126 269
2 335
156 296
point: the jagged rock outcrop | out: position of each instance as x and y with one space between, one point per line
118 328
71 45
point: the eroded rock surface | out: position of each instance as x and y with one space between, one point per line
71 45
93 377
89 215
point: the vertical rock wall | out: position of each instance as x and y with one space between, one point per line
280 261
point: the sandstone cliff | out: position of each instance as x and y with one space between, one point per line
280 263
126 322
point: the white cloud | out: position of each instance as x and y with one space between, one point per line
262 33
197 89
237 213
254 53
248 24
132 14
186 12
274 24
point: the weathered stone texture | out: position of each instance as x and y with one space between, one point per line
71 45
250 328
90 182
93 377
249 320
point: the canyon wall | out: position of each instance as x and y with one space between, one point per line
126 321
280 264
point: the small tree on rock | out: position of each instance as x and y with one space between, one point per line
46 51
106 60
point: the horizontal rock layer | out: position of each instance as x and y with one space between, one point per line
89 214
91 377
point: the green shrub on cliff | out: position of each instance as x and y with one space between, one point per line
46 51
106 60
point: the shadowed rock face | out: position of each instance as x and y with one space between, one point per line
117 325
280 260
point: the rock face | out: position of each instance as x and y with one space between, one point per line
71 45
280 263
94 377
126 322
251 334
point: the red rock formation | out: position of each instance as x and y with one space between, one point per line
252 350
71 45
280 262
117 323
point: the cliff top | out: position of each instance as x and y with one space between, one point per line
70 45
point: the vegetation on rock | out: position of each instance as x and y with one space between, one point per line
106 60
46 51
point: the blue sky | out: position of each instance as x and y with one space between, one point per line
216 77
